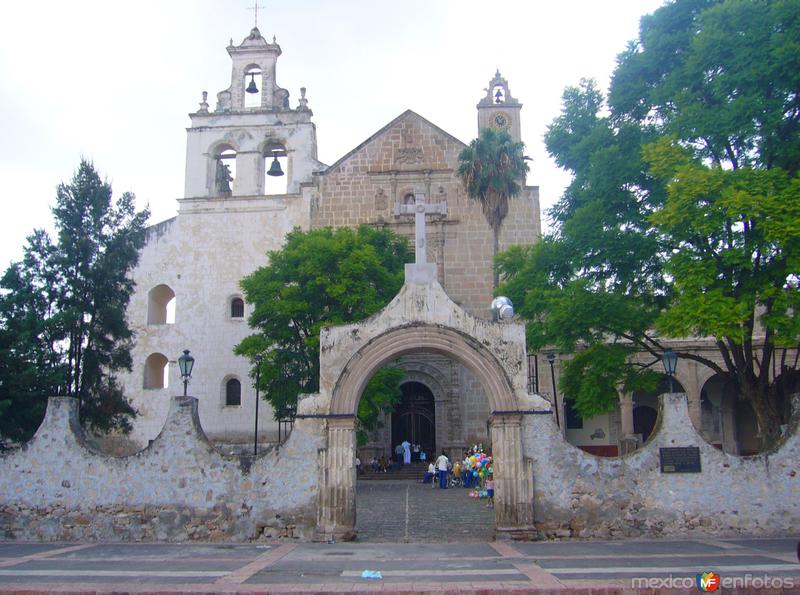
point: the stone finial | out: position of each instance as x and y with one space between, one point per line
303 102
204 104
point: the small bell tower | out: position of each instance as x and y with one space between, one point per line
235 150
499 110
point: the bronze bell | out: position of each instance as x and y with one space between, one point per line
251 88
275 169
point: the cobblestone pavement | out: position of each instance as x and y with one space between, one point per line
590 568
403 511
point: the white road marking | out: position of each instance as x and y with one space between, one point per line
432 573
673 569
131 573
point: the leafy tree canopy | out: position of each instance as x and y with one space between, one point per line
320 278
62 310
683 216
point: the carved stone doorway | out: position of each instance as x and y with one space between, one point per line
414 419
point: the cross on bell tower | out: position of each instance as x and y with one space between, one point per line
255 8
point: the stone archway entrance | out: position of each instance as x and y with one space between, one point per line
513 484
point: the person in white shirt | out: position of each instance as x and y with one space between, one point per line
442 464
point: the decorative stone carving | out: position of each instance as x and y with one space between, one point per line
409 156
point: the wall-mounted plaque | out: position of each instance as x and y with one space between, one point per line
685 459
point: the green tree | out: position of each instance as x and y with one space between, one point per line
682 218
493 169
62 312
320 278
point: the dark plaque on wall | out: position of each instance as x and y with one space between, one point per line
685 459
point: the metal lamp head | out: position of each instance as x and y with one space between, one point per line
502 308
185 364
670 361
551 357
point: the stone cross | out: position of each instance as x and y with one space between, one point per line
419 209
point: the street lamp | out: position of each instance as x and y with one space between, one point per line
551 357
185 364
670 361
258 381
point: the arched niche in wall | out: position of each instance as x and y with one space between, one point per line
156 371
161 305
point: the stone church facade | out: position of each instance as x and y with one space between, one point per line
188 294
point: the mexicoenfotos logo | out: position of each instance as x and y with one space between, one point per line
708 581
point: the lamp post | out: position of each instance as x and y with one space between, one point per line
258 381
551 357
185 364
670 361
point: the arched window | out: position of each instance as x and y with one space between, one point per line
233 392
156 371
224 171
161 305
237 308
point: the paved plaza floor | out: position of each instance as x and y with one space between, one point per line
411 538
631 566
400 511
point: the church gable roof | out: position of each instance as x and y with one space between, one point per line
409 142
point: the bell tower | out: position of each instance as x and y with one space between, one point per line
231 151
498 109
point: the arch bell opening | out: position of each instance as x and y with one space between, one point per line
422 319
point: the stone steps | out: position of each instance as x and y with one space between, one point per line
414 471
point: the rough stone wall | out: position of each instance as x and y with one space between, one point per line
177 489
409 153
580 495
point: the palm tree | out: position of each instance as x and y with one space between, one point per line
493 168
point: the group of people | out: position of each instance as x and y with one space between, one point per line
474 471
405 453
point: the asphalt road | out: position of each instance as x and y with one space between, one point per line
463 566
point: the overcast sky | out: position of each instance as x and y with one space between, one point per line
114 80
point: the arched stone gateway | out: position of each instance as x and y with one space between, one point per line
422 319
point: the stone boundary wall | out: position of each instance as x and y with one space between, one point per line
580 495
179 488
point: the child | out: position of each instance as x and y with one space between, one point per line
490 490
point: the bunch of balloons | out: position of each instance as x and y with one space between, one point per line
479 465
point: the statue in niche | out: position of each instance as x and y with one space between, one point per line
223 178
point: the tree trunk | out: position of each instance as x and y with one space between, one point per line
768 417
495 251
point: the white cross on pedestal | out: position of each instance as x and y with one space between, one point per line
419 209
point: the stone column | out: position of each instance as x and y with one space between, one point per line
336 511
513 487
627 441
249 173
